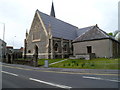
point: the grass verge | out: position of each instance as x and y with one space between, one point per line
41 61
98 63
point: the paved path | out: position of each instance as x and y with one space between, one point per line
58 62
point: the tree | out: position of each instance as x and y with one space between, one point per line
111 34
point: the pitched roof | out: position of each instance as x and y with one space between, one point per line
83 30
2 41
59 29
93 34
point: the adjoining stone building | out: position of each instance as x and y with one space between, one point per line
50 37
97 42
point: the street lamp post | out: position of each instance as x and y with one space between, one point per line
3 30
2 45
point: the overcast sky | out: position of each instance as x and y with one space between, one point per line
18 15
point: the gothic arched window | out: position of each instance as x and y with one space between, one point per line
65 47
56 47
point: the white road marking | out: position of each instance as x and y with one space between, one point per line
9 73
112 80
100 79
53 84
91 77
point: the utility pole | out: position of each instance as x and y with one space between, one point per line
3 30
2 46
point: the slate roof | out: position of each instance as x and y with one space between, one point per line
83 30
59 29
93 34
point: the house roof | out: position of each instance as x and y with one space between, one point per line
59 29
9 47
2 41
93 34
83 30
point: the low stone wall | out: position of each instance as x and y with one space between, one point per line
72 57
85 56
23 62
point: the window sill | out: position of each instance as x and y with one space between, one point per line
37 40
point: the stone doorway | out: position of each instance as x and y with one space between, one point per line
36 50
89 49
35 56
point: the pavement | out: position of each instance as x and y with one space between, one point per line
97 71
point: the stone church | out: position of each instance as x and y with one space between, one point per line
50 37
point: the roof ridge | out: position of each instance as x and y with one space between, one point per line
104 32
107 34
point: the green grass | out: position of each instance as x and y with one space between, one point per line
41 61
98 63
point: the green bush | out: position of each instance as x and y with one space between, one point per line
73 61
68 64
92 64
83 64
77 64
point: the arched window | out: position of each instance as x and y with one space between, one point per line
56 47
36 49
65 47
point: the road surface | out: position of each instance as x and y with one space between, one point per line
19 77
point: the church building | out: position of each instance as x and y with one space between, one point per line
50 37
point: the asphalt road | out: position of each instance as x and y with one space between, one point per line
17 77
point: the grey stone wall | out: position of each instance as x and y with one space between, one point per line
41 40
61 53
101 48
116 49
85 56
